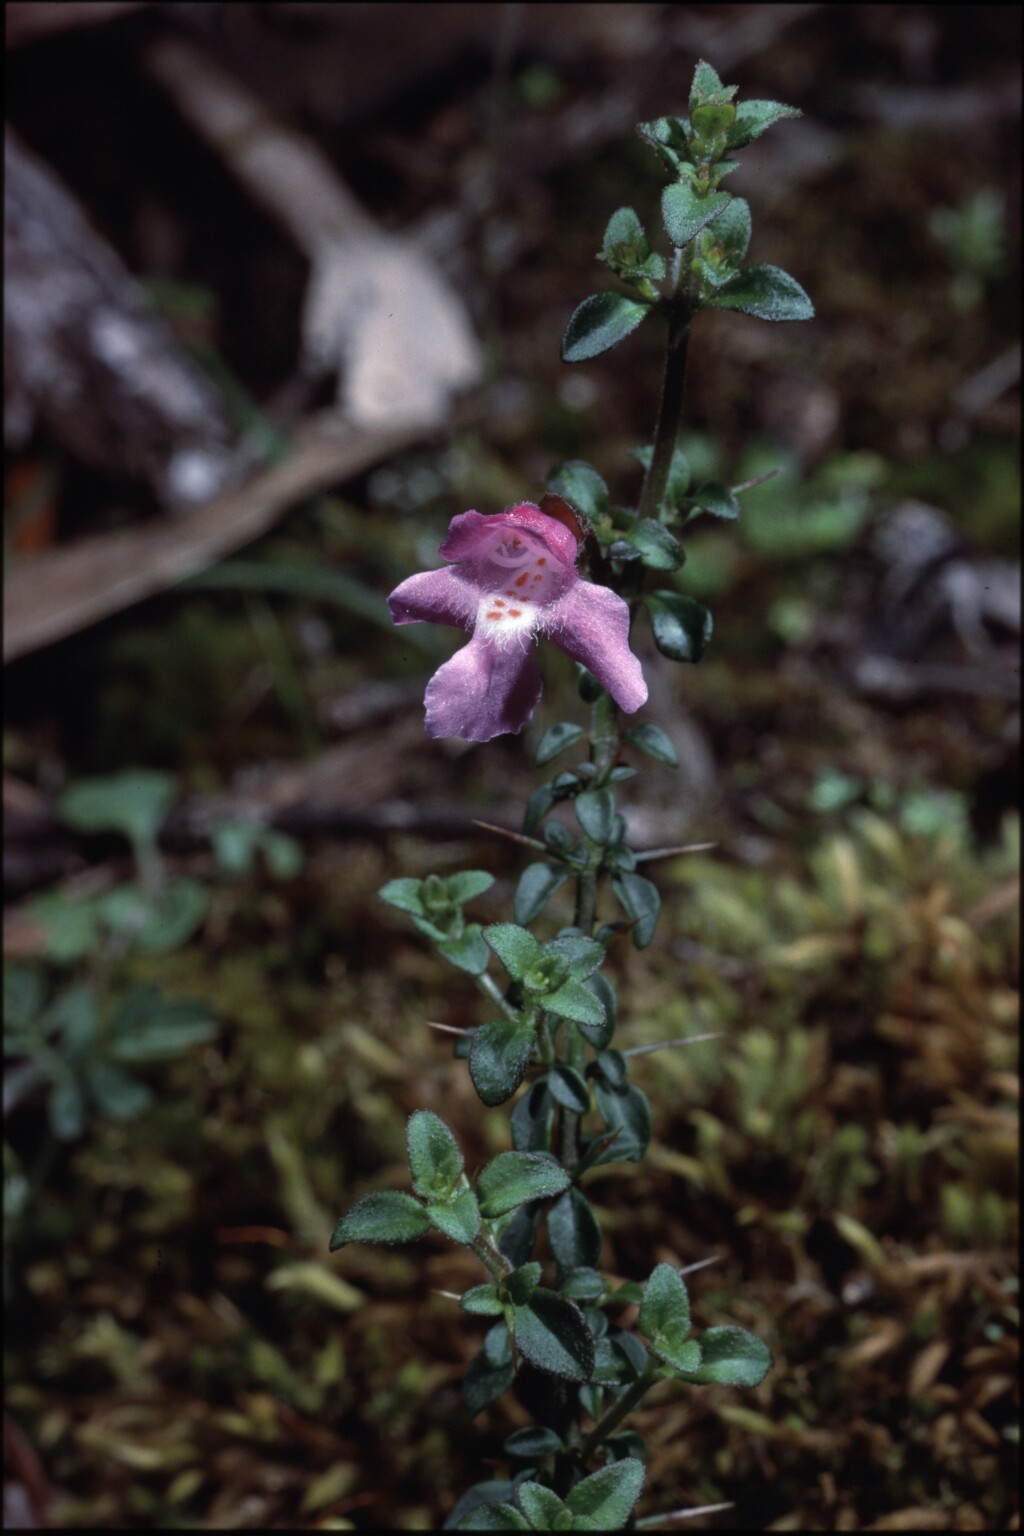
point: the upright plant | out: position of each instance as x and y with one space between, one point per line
555 1323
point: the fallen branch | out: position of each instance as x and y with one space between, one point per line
58 593
377 311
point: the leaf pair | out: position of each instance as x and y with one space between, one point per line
445 1200
601 1502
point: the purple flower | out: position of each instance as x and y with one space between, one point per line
511 576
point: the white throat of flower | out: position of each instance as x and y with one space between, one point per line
523 578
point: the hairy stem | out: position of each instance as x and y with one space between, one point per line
604 749
489 987
613 1417
491 1257
673 385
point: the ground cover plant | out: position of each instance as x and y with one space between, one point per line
180 1349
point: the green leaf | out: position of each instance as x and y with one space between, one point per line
573 1231
707 87
600 323
531 1118
540 1506
498 1344
582 956
659 550
467 884
537 884
627 1111
73 1014
724 245
556 739
611 1366
468 951
480 1496
625 241
607 1497
403 894
765 292
714 498
518 1239
514 947
625 1444
389 1216
457 1218
632 1350
69 926
652 740
435 1161
24 996
116 1094
498 1058
537 807
519 1286
493 1517
569 1088
533 1442
582 487
552 1334
151 1027
234 845
133 803
158 927
595 812
482 1301
574 1000
600 1034
666 1305
665 1318
731 1356
484 1381
667 137
711 124
685 214
627 249
66 1109
682 1359
682 626
641 902
284 855
514 1178
753 117
612 1069
583 1283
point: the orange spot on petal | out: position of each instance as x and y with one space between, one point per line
521 581
494 614
515 613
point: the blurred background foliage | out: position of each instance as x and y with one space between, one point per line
214 1033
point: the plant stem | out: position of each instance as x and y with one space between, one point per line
491 1257
623 1405
673 383
604 749
489 987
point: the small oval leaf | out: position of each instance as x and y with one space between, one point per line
600 323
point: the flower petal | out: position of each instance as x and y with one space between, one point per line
485 690
471 535
591 624
435 597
